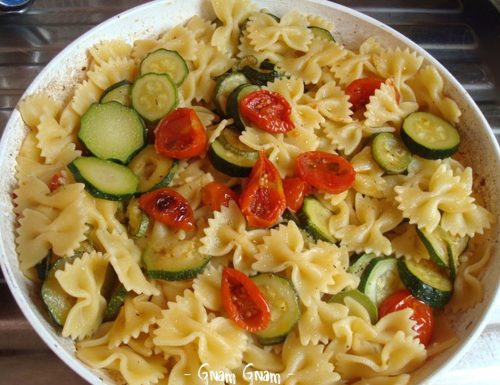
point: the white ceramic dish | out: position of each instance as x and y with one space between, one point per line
479 145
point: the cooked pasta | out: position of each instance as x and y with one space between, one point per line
160 274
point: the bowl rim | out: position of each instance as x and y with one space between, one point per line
91 376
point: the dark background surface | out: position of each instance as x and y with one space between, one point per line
462 35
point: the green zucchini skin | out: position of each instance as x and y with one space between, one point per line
321 33
118 92
138 221
361 298
224 86
390 153
233 109
422 287
164 61
436 247
359 263
260 77
169 263
283 301
429 136
55 299
112 131
98 183
115 303
380 279
314 217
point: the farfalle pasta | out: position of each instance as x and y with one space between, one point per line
145 289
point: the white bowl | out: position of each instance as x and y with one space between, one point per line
479 145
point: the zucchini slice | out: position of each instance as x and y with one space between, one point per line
115 302
429 136
176 262
225 85
361 298
426 282
112 131
321 33
436 246
164 61
56 300
105 179
358 263
233 102
231 157
314 218
118 92
260 77
154 170
390 153
283 301
456 245
380 279
154 96
138 221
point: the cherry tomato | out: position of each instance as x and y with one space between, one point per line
262 201
360 90
327 172
243 301
180 134
58 179
215 195
267 110
422 313
168 206
295 189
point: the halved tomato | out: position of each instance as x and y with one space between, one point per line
360 90
243 301
180 135
296 189
327 172
215 195
168 206
267 110
262 201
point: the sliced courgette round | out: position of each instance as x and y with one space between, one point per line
321 33
456 247
154 170
115 302
233 101
260 77
164 61
284 304
56 300
230 156
104 179
426 282
390 153
429 136
361 298
118 92
380 279
225 85
154 96
174 262
358 263
436 246
314 217
138 221
112 131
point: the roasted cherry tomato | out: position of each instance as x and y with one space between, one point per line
267 110
215 195
327 172
295 189
243 301
168 206
360 90
180 134
422 313
262 201
58 179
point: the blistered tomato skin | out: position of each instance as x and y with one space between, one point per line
243 301
325 171
168 206
215 195
262 201
268 111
